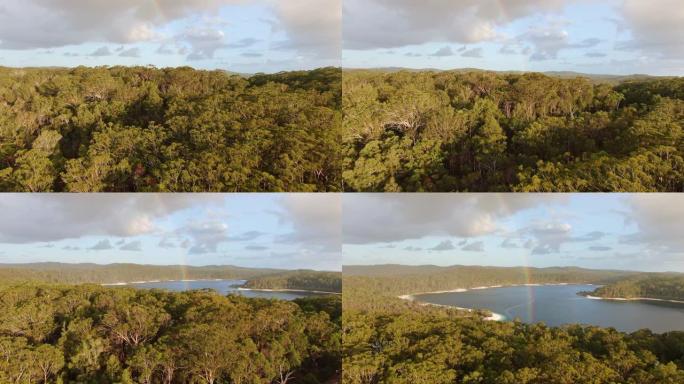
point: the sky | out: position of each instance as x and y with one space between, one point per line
288 231
640 232
246 36
589 36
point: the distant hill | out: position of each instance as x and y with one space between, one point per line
598 78
394 279
60 273
388 270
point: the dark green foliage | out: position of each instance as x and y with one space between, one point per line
145 129
90 334
482 131
432 346
388 340
664 288
301 279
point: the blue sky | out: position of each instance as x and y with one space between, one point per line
605 231
607 37
239 35
251 230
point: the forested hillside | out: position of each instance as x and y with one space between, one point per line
483 131
116 273
144 129
90 334
663 288
389 340
428 345
301 279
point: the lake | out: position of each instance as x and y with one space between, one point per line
221 286
559 304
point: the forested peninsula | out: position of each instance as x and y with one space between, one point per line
93 334
439 131
660 288
142 129
305 280
389 340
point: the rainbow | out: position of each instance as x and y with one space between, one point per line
530 289
183 265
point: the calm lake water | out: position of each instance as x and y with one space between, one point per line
220 286
557 305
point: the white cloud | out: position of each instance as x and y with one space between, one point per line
369 24
315 220
657 27
658 218
653 29
205 236
548 236
385 217
313 27
204 42
54 23
28 218
547 41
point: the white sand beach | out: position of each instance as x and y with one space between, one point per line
633 299
493 317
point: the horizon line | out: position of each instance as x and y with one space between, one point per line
500 266
505 71
162 265
167 67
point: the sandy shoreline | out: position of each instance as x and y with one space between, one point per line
121 284
161 281
633 299
495 316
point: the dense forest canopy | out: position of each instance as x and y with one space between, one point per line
483 131
117 273
300 279
428 345
653 287
389 340
177 129
90 334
